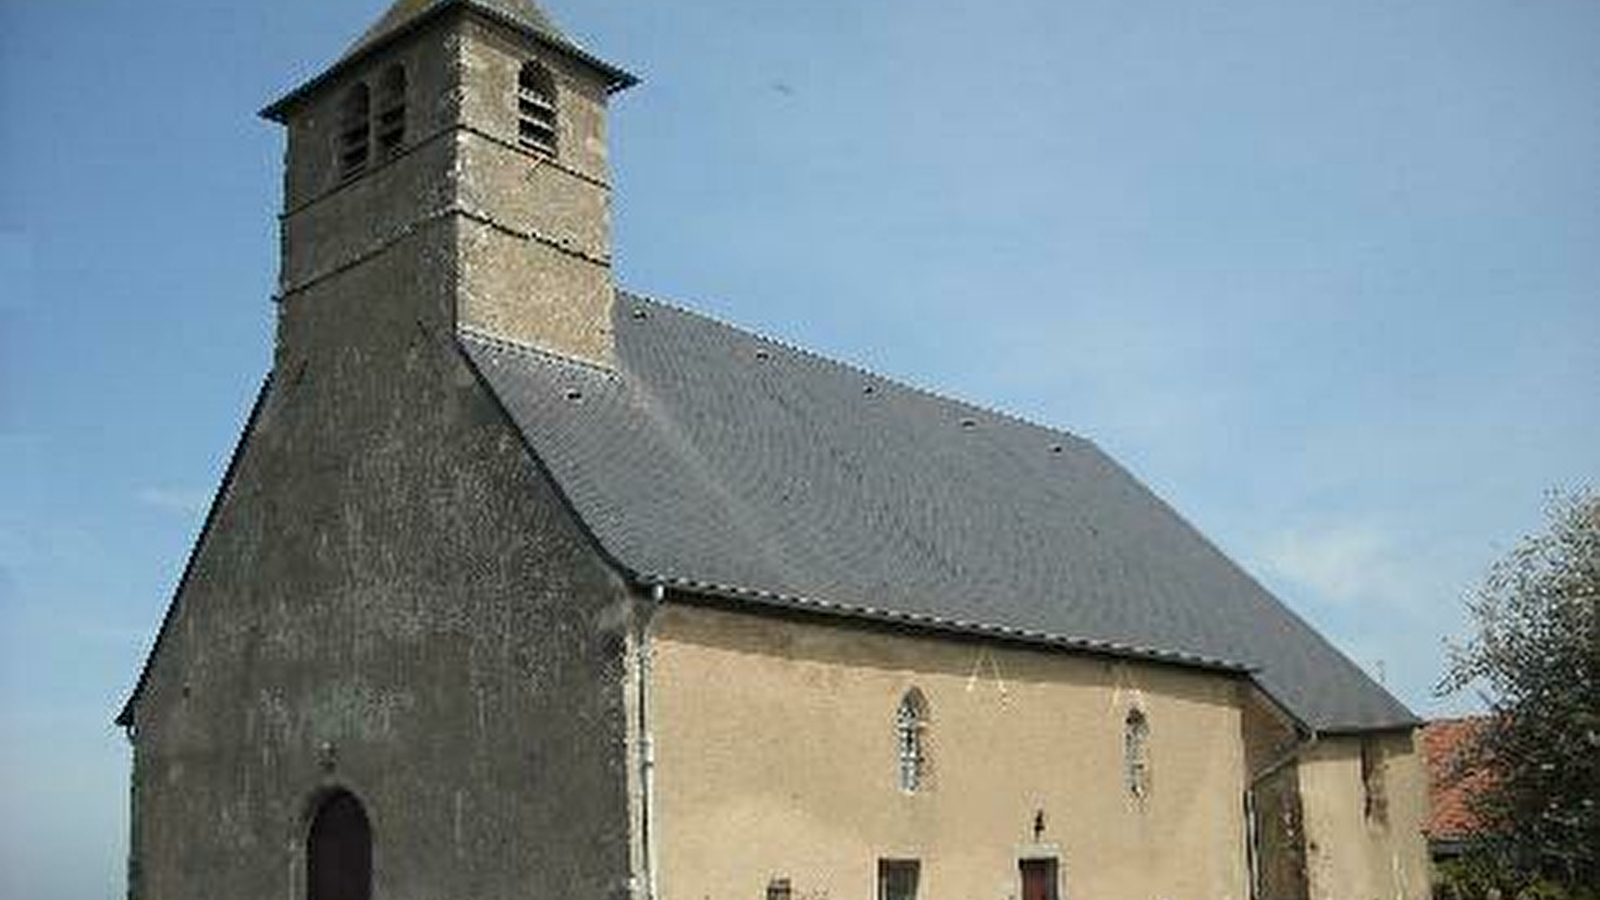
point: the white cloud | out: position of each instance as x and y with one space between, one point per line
187 501
1349 564
1360 566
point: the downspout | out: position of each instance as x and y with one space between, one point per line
1289 756
647 753
1253 834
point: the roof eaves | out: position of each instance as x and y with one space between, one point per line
933 623
618 79
1337 731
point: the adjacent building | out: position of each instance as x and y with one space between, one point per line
1453 827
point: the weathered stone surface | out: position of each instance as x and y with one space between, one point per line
431 61
534 230
521 290
490 60
392 599
533 196
390 578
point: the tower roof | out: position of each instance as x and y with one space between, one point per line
406 16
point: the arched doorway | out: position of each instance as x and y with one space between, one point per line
339 850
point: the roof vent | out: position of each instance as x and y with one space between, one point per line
969 423
763 353
574 394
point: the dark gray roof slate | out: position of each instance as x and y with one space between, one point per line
729 464
405 15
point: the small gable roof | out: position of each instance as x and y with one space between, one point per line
723 463
405 14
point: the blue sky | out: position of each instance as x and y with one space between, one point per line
1325 276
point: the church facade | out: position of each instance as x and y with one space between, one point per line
522 585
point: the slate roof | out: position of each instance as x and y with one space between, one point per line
407 15
724 463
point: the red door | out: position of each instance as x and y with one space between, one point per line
1038 879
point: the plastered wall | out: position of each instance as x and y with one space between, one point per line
776 757
1351 855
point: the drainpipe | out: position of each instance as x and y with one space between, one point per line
1252 834
1289 756
647 752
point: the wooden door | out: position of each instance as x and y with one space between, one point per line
339 851
1038 879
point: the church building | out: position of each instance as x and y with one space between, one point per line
523 585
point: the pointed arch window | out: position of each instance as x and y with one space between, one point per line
536 109
339 850
392 111
1136 754
911 723
355 132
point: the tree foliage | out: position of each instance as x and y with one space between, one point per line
1535 657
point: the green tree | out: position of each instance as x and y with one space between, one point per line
1535 658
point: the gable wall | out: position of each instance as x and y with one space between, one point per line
776 757
391 600
1350 855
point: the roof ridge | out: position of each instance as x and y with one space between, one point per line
860 370
407 16
404 14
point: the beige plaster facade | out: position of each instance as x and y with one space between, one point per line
1361 849
774 752
776 758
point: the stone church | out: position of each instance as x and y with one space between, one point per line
520 585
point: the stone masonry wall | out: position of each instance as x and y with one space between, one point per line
391 600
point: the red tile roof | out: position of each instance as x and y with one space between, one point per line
1450 816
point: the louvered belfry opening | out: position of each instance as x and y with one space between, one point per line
536 109
355 132
339 851
392 111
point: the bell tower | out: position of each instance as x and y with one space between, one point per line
450 170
